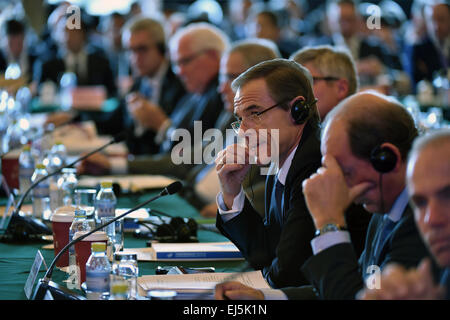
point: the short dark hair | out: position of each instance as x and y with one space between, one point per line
285 80
14 27
372 125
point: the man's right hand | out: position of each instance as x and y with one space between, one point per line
96 164
232 164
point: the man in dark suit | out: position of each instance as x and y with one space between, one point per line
364 162
432 54
193 48
155 87
17 49
278 244
428 181
90 64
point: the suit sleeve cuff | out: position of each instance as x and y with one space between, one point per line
238 205
329 239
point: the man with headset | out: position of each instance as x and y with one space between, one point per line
365 142
428 180
274 95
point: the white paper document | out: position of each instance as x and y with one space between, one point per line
188 251
200 281
129 182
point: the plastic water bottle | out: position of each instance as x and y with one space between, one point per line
67 84
69 183
41 196
79 223
56 159
105 201
125 269
98 269
26 170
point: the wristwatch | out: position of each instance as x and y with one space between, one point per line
330 227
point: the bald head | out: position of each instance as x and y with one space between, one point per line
371 119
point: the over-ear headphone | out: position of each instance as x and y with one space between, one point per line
300 111
176 230
383 159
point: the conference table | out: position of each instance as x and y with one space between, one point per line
16 259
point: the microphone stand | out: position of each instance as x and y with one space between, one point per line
45 283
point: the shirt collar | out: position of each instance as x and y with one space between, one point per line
282 173
399 206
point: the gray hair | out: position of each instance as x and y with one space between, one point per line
153 25
331 62
204 36
255 50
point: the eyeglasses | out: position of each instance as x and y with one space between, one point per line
325 78
252 118
186 60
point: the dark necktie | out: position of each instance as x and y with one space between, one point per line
279 190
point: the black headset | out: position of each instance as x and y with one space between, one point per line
177 230
383 159
300 110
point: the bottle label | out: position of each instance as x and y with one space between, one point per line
97 281
41 191
106 209
26 172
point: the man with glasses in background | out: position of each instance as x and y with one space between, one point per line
334 74
195 53
274 95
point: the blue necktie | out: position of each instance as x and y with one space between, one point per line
388 225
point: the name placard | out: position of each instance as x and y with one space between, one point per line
38 260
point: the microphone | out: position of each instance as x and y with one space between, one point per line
21 227
45 283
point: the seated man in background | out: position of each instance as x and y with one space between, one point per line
278 243
17 49
155 87
428 181
334 74
77 55
364 162
195 52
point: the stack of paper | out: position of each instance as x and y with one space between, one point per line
188 251
200 283
131 183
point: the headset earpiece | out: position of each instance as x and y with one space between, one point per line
383 159
300 111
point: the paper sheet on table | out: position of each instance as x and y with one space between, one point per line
201 281
129 182
200 251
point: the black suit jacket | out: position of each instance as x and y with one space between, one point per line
280 249
336 272
423 60
98 71
31 59
171 91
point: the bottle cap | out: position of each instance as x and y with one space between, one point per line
106 184
119 287
26 147
80 213
98 247
40 166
